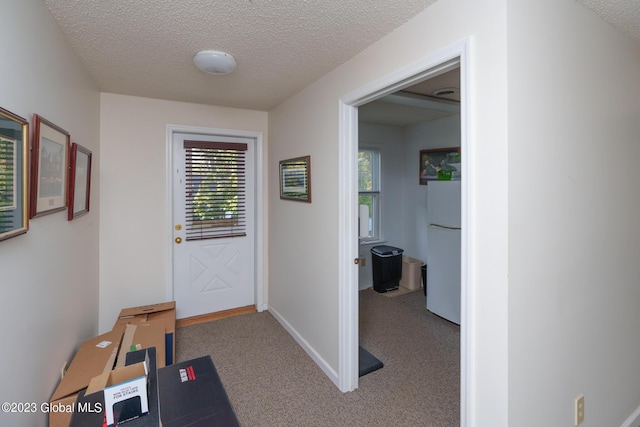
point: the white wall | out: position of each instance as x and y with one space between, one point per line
134 227
303 251
390 141
441 133
49 276
574 235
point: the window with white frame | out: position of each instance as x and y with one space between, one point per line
369 193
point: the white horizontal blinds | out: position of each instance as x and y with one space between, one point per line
7 173
294 178
8 195
215 184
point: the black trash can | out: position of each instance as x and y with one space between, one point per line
386 263
424 279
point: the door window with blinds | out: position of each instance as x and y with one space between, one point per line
215 187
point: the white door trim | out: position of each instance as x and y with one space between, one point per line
347 242
259 226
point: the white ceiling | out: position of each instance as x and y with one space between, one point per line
415 104
145 47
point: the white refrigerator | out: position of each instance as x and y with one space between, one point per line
443 249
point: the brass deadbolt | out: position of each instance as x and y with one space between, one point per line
178 240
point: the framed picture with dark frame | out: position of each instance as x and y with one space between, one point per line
14 175
79 181
295 179
431 162
49 168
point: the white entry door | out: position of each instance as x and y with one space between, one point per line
213 223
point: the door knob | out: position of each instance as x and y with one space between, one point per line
356 261
178 240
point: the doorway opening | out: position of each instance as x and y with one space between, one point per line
405 139
450 58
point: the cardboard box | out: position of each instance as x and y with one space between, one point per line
158 314
141 336
191 394
86 414
125 392
94 357
411 273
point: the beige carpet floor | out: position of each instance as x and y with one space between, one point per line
271 381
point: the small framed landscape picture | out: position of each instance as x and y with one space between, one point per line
435 163
295 179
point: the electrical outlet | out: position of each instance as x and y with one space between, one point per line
579 409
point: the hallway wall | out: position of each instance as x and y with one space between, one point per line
49 276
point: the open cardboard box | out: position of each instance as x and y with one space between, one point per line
163 314
125 392
94 357
97 418
154 327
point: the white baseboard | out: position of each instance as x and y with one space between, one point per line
364 286
315 356
633 420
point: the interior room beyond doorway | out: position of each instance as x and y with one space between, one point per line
395 128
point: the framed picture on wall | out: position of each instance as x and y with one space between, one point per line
49 168
440 161
79 181
295 179
14 175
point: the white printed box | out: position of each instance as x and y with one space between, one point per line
125 392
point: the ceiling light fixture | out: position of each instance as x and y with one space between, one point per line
445 92
214 62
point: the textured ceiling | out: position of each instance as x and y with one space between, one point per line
145 47
624 14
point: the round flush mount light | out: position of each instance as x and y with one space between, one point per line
214 62
446 92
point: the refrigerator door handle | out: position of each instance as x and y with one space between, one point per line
444 227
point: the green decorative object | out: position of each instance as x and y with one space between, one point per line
444 175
